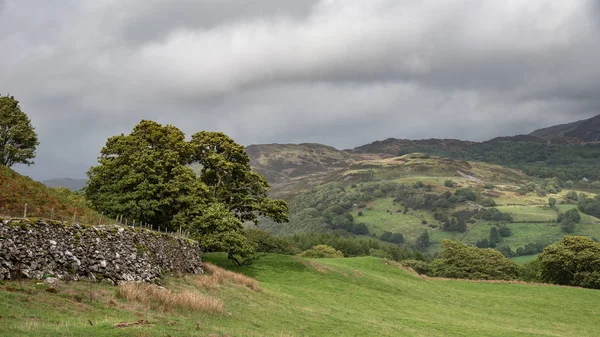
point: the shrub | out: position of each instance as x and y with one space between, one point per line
488 202
575 260
420 267
418 184
322 251
458 260
450 183
572 195
466 193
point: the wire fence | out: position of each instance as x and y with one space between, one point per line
86 219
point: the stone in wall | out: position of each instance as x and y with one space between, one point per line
40 249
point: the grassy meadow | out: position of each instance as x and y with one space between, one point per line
363 296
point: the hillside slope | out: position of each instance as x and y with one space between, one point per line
398 147
587 130
306 297
17 190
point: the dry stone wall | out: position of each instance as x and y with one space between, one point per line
38 249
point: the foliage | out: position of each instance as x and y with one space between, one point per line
458 260
551 202
494 214
488 202
268 243
572 195
465 193
392 237
495 235
144 177
225 169
298 300
590 206
562 161
449 183
419 266
423 240
44 202
568 225
18 139
219 230
322 251
351 246
575 261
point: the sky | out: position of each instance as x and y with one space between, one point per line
339 72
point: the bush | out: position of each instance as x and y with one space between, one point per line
322 251
466 193
568 225
420 267
575 261
572 195
268 243
458 260
449 183
488 202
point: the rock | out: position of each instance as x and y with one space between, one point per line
76 252
53 282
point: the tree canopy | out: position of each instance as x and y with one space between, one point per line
18 139
575 261
145 176
458 260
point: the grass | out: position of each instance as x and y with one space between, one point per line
524 259
305 297
378 220
42 202
162 299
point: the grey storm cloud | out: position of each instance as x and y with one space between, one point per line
339 72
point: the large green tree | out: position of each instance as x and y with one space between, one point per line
575 261
18 139
142 176
224 166
146 176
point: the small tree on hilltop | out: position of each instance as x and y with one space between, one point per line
18 139
551 202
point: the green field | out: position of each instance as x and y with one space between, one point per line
524 259
329 297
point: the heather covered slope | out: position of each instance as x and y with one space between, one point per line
17 190
309 297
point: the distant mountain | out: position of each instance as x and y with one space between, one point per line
583 131
70 183
399 147
286 161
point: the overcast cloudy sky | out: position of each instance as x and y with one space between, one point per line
339 72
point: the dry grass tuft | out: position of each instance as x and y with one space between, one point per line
165 300
216 276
